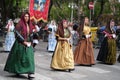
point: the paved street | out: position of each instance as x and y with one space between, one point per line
43 71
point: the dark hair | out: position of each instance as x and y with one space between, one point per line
22 17
75 26
108 29
80 28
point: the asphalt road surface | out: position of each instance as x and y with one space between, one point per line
43 71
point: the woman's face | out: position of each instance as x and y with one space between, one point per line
26 17
65 24
86 21
53 23
112 23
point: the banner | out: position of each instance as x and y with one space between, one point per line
38 9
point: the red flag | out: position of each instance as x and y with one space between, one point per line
39 9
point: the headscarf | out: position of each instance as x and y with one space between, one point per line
10 25
22 27
108 29
60 30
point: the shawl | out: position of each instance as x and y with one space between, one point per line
60 30
21 27
108 29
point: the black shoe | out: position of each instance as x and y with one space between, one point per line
69 70
17 74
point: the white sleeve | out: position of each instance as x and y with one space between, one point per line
114 36
37 28
87 36
55 28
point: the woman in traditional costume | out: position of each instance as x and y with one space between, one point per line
118 59
83 53
21 58
10 36
63 55
51 37
107 52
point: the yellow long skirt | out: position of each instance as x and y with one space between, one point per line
63 57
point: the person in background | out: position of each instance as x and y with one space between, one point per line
83 53
118 59
118 40
62 58
45 32
118 36
75 35
107 52
51 36
40 25
36 35
100 34
70 27
21 57
10 36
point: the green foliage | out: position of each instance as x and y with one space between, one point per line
107 9
60 12
97 9
102 10
12 8
59 9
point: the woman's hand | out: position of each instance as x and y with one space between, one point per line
67 39
49 32
28 44
113 35
88 36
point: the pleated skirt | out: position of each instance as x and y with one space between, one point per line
83 53
20 60
62 58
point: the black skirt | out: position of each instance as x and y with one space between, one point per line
103 52
118 59
107 53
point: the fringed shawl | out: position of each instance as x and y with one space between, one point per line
60 31
22 27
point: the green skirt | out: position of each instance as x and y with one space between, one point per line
20 60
